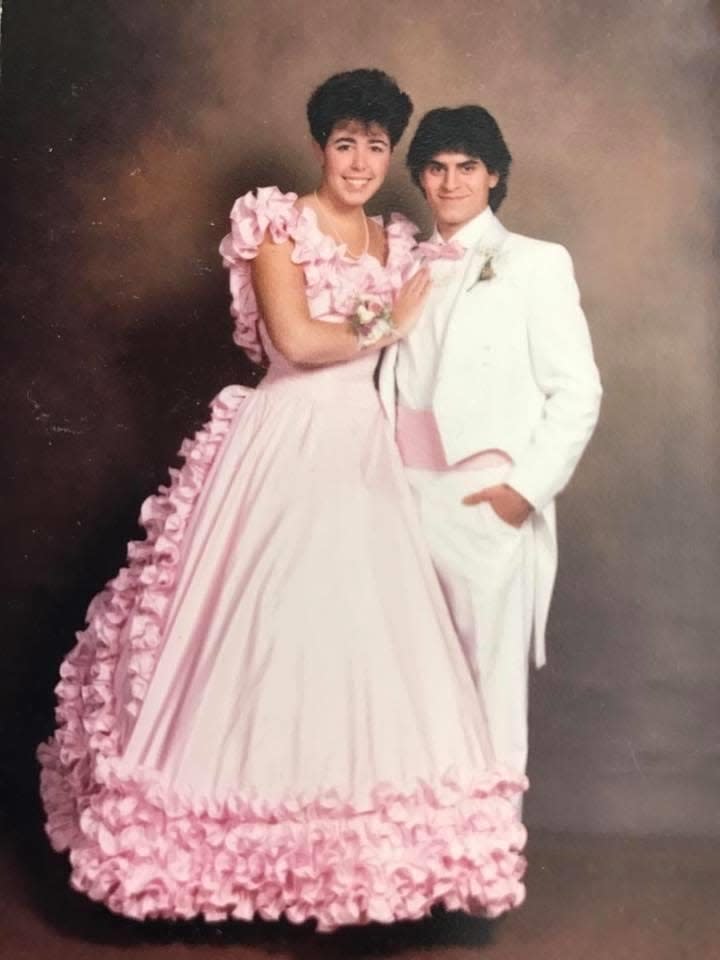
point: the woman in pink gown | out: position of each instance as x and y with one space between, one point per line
268 712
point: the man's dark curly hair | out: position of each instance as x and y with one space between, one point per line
366 96
470 130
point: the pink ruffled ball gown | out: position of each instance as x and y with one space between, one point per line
268 712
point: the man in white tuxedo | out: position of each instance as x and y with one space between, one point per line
494 396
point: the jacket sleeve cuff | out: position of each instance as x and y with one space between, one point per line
538 495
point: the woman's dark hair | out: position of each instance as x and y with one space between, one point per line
470 130
366 96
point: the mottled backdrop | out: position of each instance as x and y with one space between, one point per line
130 129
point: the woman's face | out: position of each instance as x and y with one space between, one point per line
355 162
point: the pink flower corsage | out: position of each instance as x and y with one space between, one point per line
371 321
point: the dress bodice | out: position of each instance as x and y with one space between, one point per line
333 280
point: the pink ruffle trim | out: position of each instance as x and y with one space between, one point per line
130 611
148 852
332 281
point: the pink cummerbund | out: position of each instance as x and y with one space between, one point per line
418 440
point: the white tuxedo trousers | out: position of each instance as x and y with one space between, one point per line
486 569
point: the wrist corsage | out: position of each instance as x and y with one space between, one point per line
371 321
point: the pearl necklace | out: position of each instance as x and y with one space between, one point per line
338 237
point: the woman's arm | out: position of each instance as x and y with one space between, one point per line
280 291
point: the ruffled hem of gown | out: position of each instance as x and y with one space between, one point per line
148 851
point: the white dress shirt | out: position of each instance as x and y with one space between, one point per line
419 353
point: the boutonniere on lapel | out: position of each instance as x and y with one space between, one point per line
487 270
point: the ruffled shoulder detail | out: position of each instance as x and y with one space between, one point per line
400 229
257 213
252 215
400 233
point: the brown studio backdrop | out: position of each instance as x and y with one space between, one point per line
132 129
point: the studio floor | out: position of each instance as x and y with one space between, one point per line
589 898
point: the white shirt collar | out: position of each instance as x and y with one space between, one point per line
485 227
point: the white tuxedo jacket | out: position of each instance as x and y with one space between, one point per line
516 373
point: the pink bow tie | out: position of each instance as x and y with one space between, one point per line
431 250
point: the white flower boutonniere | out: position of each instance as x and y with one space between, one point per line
487 270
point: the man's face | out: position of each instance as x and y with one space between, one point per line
456 187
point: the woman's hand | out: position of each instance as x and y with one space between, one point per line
410 300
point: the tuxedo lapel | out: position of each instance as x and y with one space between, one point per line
486 253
